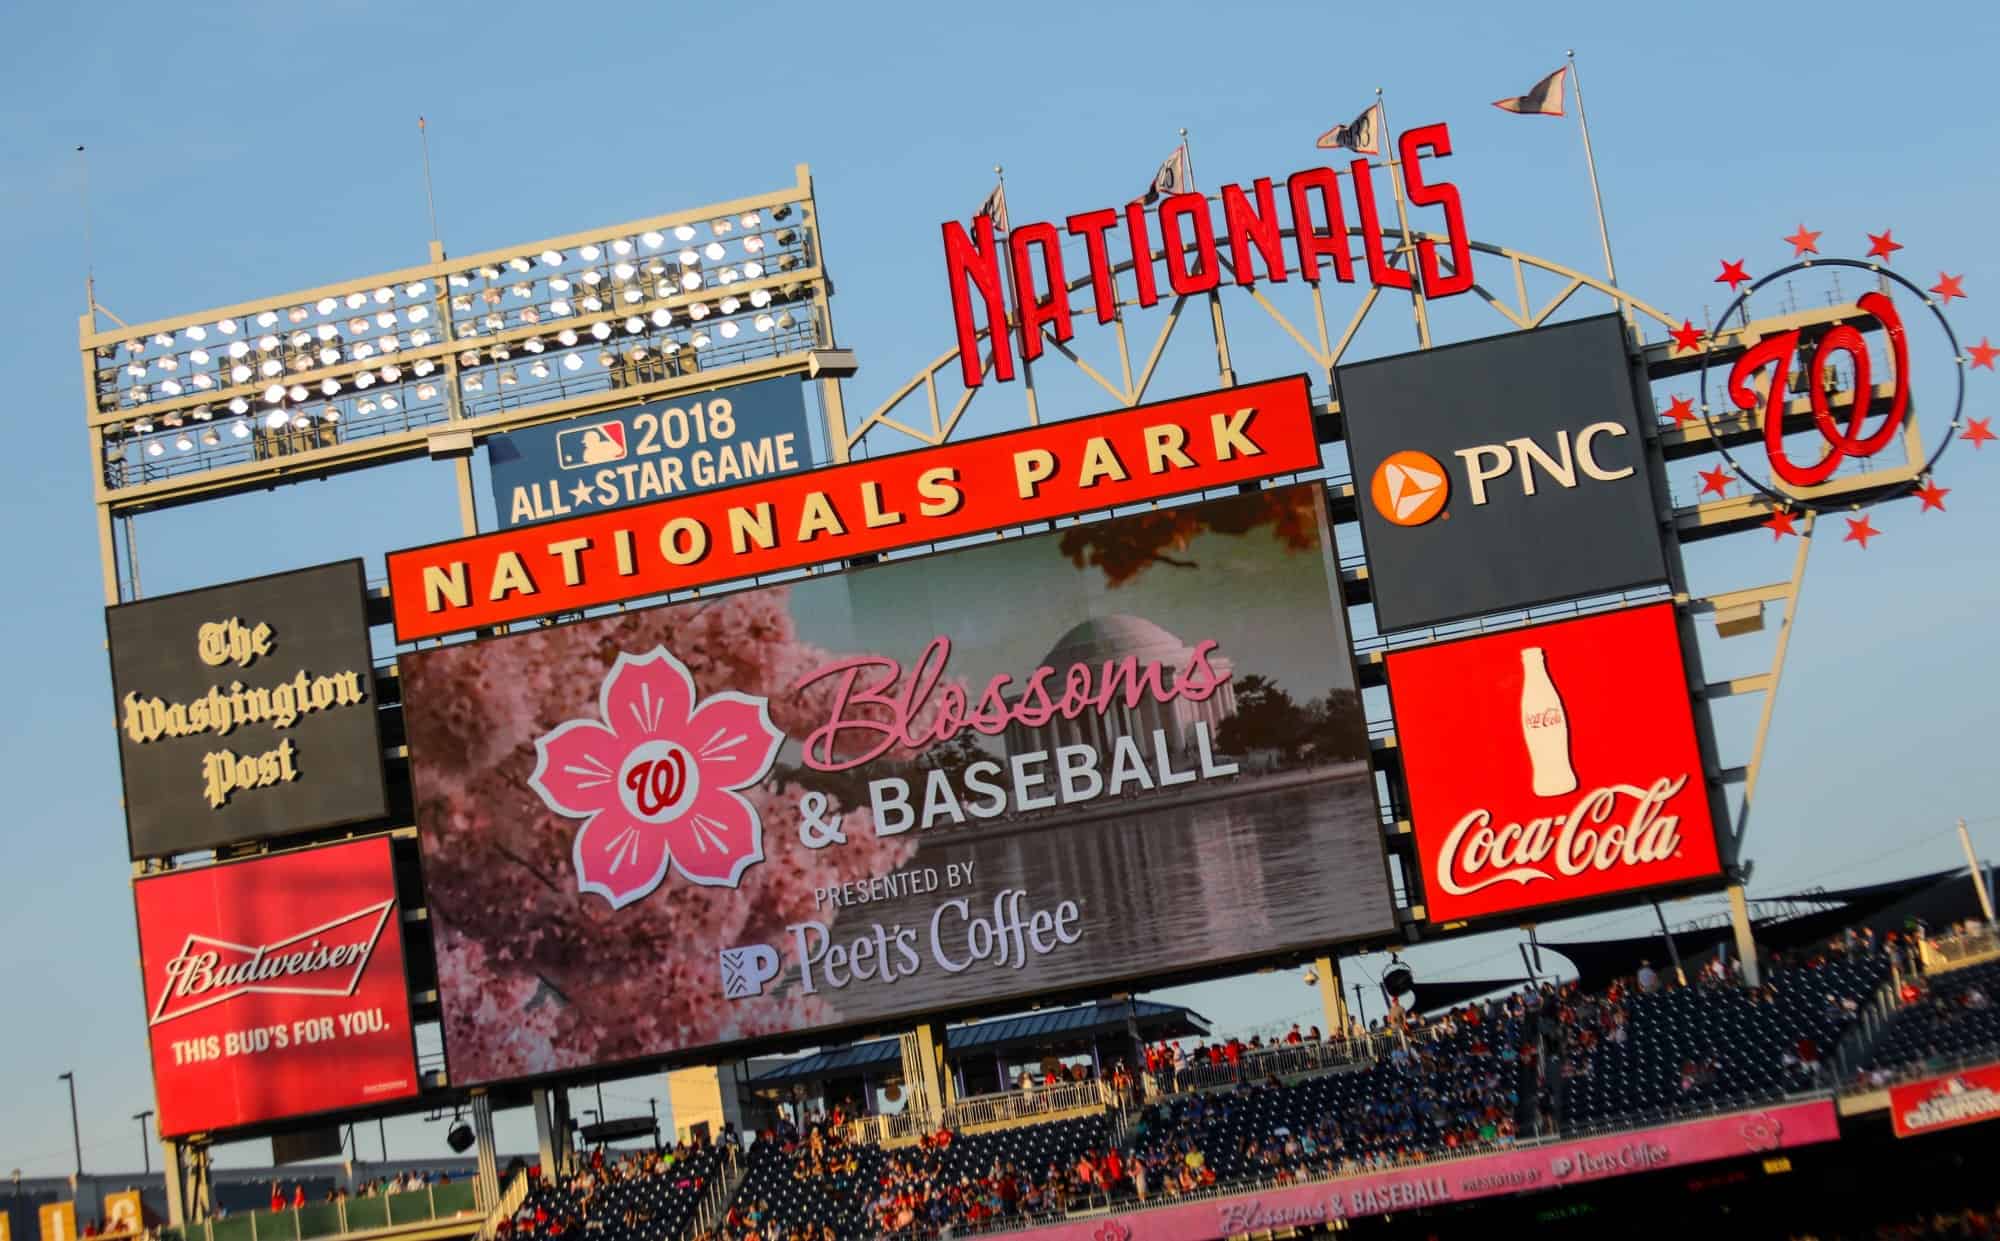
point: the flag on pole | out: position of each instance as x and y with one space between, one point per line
1172 177
1544 98
995 208
1362 135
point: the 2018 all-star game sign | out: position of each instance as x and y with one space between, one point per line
1552 763
275 987
662 449
246 711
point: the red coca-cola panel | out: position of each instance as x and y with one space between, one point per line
275 988
1552 764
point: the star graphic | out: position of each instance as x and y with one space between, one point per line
1681 410
1732 274
1687 337
1882 245
1983 353
1716 480
1779 523
1978 431
580 494
1805 241
1859 531
1949 287
1932 495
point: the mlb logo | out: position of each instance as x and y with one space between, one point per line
745 970
591 445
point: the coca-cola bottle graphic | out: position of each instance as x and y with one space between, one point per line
1545 726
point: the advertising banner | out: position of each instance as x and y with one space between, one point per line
246 711
964 487
1501 473
1119 750
275 987
58 1221
659 450
1962 1098
1548 1165
1552 763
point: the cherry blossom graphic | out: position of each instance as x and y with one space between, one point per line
655 779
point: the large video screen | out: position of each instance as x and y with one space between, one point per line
1088 757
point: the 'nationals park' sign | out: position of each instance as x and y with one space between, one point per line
863 508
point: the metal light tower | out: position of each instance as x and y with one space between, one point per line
75 1131
145 1148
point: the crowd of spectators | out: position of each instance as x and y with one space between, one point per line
637 1194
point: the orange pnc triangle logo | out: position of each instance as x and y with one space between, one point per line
1409 488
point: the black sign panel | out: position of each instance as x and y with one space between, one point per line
1500 474
246 711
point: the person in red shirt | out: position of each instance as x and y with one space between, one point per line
277 1197
1114 1169
298 1197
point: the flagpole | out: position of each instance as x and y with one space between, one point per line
1408 248
1590 162
1013 279
1223 367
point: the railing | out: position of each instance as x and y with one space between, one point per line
332 1219
511 1199
722 1187
1858 1039
993 1109
1954 952
1284 1060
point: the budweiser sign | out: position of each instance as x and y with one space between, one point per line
328 959
275 987
1553 763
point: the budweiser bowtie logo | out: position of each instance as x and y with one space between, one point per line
328 959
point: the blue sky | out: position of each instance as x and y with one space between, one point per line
245 149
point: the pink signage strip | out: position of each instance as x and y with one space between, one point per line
1547 1165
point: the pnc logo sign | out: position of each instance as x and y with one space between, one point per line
1409 488
1501 474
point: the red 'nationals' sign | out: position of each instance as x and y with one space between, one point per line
275 988
1552 763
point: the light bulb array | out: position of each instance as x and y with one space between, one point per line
552 321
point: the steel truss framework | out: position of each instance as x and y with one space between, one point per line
918 411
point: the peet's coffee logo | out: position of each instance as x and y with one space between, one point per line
225 708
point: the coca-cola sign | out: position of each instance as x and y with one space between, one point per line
275 988
1553 763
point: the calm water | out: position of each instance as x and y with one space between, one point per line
1159 890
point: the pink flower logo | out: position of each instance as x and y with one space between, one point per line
655 780
1112 1230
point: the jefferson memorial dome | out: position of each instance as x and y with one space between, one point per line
1111 640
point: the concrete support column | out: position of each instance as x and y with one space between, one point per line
1746 945
545 1143
1331 997
173 1170
489 1163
